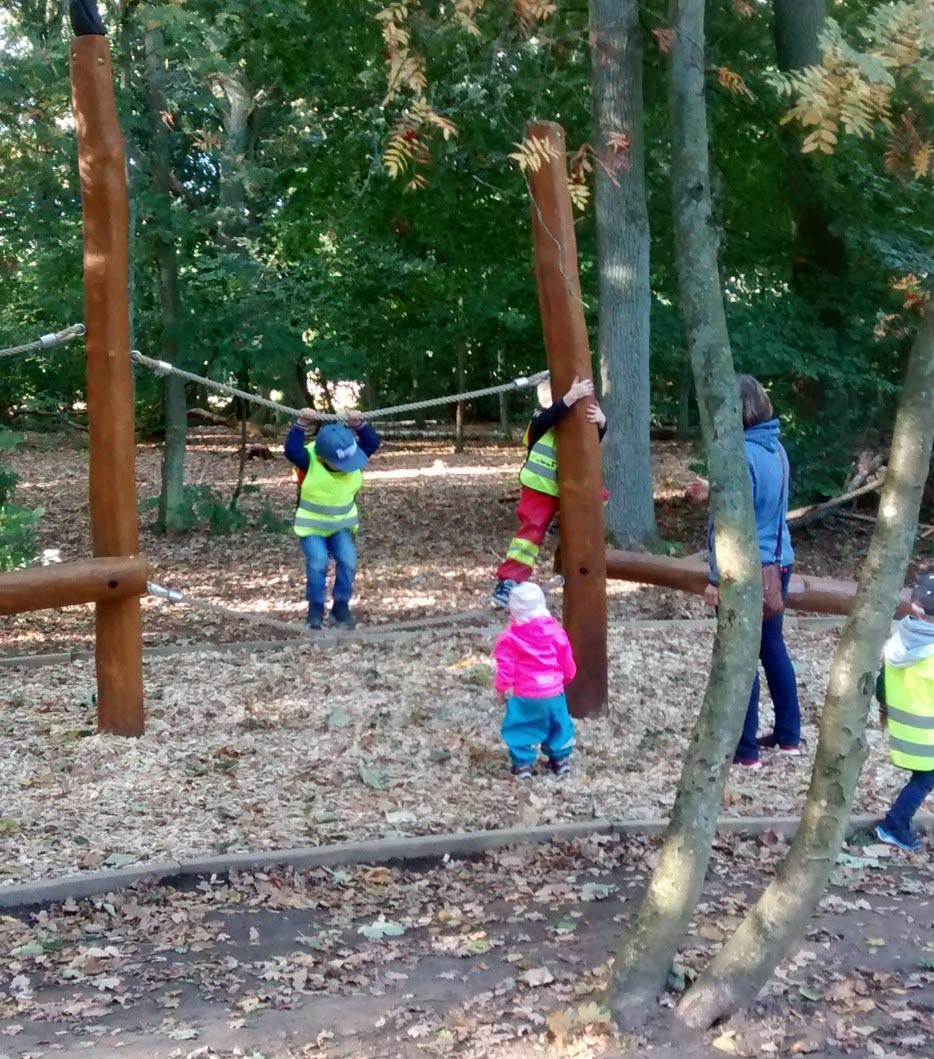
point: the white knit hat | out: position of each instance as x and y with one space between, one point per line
527 601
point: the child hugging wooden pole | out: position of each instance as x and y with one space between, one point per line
114 520
583 548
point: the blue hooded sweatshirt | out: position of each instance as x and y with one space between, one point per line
768 465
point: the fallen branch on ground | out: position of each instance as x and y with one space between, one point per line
804 516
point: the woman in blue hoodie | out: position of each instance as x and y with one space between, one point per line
768 469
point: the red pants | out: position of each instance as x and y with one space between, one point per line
535 511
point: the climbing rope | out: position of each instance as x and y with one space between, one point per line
370 632
163 367
45 341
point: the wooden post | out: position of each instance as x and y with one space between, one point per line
70 584
114 520
583 547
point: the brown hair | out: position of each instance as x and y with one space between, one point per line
754 401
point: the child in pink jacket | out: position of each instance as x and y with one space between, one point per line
533 664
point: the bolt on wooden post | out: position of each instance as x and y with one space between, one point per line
112 465
583 547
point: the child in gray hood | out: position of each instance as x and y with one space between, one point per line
905 691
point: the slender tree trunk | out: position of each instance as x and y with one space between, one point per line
685 393
171 496
645 957
767 933
505 425
241 467
623 260
459 413
817 249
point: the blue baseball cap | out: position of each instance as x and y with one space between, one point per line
337 446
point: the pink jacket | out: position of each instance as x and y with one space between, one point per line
534 659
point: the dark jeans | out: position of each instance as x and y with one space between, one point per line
780 674
914 792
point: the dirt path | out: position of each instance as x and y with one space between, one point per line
502 957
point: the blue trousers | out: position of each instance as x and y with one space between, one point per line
899 817
341 548
530 723
780 674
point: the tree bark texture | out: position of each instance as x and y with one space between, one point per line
767 933
505 425
623 260
171 496
643 962
112 456
583 542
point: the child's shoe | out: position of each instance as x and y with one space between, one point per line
500 597
769 742
315 615
560 767
902 838
340 616
523 772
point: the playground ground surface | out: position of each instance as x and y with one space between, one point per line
503 957
307 746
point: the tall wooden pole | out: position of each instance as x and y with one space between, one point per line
583 548
114 520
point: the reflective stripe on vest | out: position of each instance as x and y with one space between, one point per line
909 693
540 471
327 501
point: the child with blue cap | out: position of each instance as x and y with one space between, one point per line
330 466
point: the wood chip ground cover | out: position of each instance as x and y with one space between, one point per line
310 746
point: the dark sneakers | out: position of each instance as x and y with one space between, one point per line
523 772
500 597
561 767
340 616
902 838
315 615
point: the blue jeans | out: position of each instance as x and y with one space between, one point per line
780 674
899 817
341 548
530 723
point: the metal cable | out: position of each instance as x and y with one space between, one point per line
371 632
323 636
163 367
45 341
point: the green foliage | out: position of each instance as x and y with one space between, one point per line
17 539
205 508
299 255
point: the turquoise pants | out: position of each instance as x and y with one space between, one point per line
533 723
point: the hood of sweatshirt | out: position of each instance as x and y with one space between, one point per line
765 434
536 638
911 641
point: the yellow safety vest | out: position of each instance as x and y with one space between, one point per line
909 696
327 501
540 470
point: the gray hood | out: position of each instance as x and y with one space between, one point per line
911 641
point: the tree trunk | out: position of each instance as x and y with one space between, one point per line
459 413
241 467
767 933
685 393
171 496
623 257
644 959
817 250
505 425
